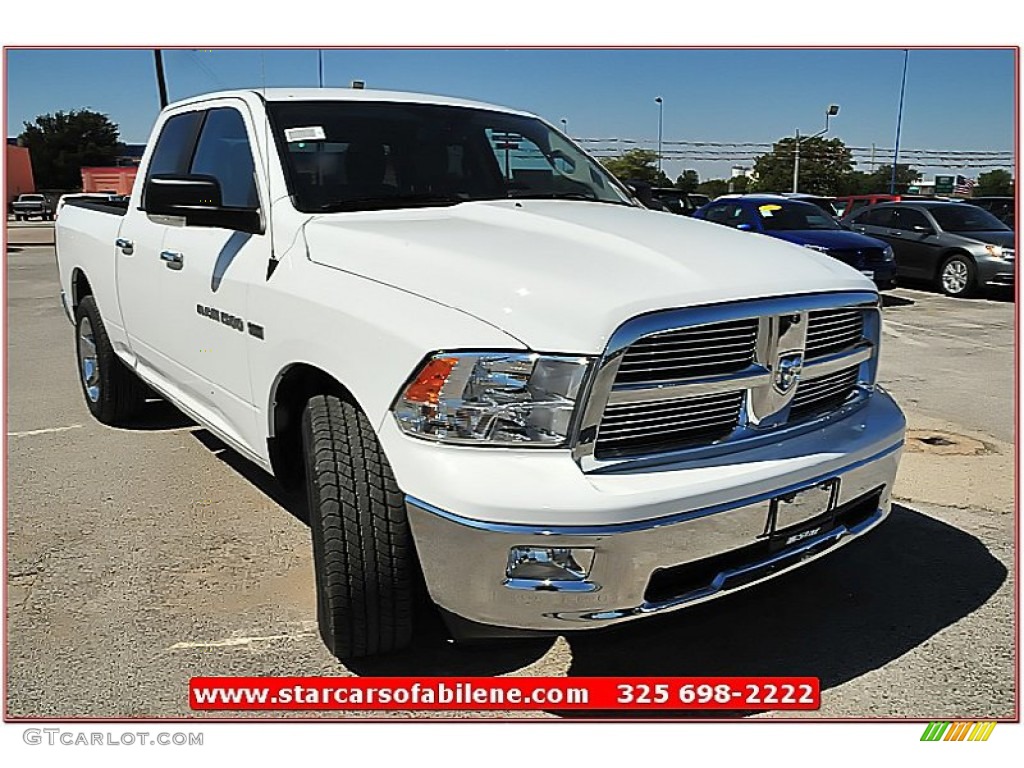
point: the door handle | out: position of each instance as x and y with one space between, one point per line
126 246
172 259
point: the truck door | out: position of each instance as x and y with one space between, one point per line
199 283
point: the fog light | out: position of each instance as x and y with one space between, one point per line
550 568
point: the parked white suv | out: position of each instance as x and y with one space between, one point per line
493 371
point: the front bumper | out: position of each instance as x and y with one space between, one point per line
996 272
698 552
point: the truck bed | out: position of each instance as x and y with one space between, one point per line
118 207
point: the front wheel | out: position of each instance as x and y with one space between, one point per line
363 555
113 393
957 276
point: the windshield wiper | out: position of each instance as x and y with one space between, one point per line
527 194
385 202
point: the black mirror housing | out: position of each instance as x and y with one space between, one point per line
197 199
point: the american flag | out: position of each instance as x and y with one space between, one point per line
963 185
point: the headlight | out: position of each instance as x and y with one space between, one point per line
999 252
819 248
887 254
492 398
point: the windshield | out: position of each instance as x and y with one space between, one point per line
966 218
30 198
352 155
779 217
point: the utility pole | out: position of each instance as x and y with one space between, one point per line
872 157
320 64
161 81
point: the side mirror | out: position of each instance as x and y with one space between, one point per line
197 199
923 230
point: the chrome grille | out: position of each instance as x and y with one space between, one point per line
832 330
678 381
705 350
821 394
661 425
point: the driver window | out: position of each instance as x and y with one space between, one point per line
223 152
906 218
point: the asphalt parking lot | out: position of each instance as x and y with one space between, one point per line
140 558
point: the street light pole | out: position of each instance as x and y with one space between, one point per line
832 111
796 163
899 123
661 115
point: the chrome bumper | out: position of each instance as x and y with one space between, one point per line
718 550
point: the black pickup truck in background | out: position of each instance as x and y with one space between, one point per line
27 206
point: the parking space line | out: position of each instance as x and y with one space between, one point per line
230 642
953 336
46 431
904 339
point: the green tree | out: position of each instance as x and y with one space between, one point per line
855 183
62 143
823 164
713 187
638 165
688 181
739 184
996 183
880 180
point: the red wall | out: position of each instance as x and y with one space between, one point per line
19 172
118 180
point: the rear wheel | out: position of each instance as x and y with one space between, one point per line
365 564
113 393
957 277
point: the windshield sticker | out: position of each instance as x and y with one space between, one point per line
768 210
308 133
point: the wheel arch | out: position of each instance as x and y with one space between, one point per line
293 386
80 287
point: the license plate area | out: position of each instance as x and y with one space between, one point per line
801 514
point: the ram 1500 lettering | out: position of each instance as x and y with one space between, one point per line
495 373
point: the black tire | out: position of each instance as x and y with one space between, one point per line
958 276
113 393
363 554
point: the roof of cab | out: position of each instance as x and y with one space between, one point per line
349 94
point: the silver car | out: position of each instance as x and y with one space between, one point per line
960 248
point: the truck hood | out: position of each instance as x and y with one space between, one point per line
561 276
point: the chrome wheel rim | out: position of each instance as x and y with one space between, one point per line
88 365
954 277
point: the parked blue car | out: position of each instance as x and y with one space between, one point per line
804 224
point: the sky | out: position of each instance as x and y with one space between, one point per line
959 100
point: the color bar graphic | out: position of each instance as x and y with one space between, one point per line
963 730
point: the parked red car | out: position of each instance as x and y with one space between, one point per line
849 204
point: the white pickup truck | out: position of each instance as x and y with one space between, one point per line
495 373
